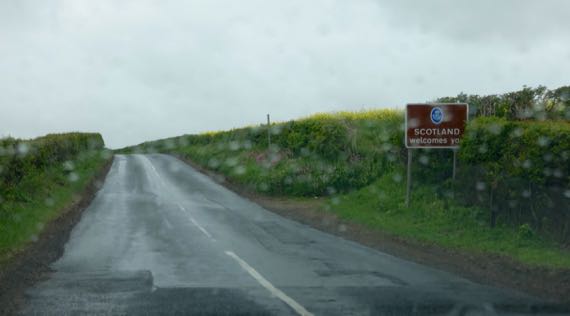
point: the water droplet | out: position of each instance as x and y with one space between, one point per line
517 132
424 160
214 163
547 157
413 123
49 201
397 177
567 193
68 165
239 170
232 161
234 145
543 141
73 177
495 129
547 172
331 190
22 149
526 193
480 186
106 154
527 164
263 187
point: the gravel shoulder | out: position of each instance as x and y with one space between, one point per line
499 271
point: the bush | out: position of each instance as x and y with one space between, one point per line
21 157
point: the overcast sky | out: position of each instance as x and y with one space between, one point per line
146 69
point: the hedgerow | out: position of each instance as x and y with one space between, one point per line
513 161
19 158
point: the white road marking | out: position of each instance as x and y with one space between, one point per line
268 286
148 162
202 229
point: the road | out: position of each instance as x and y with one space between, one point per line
162 238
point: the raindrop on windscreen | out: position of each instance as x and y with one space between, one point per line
68 165
239 170
232 161
263 187
547 157
543 141
526 193
49 201
480 186
234 145
73 177
22 149
495 129
567 194
397 177
106 154
331 190
517 132
214 163
527 164
413 123
174 167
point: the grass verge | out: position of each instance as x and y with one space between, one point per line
42 197
443 222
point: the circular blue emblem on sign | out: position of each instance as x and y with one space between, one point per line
436 115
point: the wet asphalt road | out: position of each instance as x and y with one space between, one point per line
161 238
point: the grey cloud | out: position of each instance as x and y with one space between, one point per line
522 23
144 69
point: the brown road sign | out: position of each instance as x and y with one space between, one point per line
435 125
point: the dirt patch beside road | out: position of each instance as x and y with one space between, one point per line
33 264
498 271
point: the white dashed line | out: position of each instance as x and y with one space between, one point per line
268 286
147 161
202 229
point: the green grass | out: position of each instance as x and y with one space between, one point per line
41 198
304 161
430 219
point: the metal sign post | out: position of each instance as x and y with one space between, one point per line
434 126
268 132
409 181
454 164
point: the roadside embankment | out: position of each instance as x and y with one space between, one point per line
52 180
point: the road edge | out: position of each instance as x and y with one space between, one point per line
493 270
32 264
